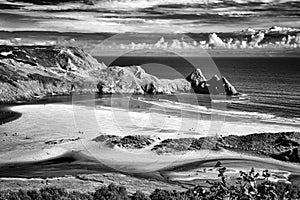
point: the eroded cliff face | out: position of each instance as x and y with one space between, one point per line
135 80
27 72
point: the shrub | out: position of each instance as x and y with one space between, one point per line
138 195
79 196
53 193
34 194
245 189
112 192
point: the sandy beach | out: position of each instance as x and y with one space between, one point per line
62 128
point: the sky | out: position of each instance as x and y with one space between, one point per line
147 16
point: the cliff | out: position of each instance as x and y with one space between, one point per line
27 72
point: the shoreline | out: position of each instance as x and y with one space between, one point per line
38 149
70 167
5 109
75 165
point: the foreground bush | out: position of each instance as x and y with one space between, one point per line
112 192
246 189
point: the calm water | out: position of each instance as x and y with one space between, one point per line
271 85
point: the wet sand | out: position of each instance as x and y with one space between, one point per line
70 163
7 115
182 172
35 158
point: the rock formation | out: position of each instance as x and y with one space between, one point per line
135 80
128 142
30 71
215 85
27 72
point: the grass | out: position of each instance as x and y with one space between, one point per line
247 188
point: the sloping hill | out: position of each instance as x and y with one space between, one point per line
28 72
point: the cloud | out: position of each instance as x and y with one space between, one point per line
144 16
54 2
258 39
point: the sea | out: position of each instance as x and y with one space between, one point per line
269 92
268 102
269 87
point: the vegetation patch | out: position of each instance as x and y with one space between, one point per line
247 188
128 142
282 146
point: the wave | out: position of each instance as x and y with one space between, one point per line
205 110
238 99
223 111
266 105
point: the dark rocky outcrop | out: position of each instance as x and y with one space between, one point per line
35 71
59 141
215 85
135 80
283 146
229 89
128 142
27 72
185 144
263 143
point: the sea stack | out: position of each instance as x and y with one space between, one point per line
215 85
54 70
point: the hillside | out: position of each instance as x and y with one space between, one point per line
29 72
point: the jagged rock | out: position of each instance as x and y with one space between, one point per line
30 71
135 80
281 146
196 77
213 86
128 142
50 56
229 89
